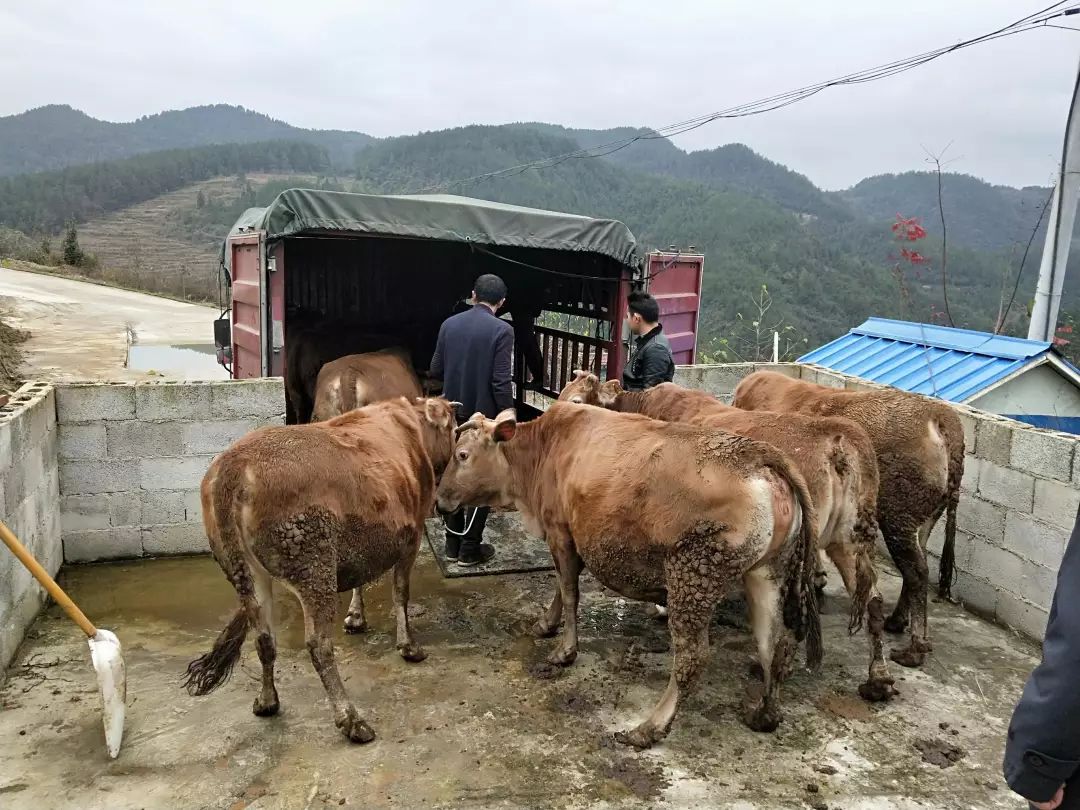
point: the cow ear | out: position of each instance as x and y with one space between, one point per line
436 413
505 426
609 392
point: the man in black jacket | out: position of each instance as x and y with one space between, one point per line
474 357
1042 755
650 362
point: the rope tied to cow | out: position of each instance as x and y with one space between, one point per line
468 528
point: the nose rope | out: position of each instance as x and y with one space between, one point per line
467 528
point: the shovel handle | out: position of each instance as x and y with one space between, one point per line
47 582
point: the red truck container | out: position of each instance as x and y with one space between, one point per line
316 265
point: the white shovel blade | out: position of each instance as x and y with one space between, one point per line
109 664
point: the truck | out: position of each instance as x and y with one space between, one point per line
328 266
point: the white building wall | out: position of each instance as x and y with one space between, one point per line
1039 390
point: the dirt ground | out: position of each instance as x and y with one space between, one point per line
80 331
11 342
473 726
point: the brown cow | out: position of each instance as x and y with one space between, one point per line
659 512
834 456
352 382
357 380
322 508
920 451
308 347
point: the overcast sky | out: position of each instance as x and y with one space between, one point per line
390 68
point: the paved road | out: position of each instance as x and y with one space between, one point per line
82 331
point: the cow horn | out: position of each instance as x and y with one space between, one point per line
470 425
455 404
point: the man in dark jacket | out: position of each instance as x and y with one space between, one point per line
650 362
1042 755
474 357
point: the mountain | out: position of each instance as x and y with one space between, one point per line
44 201
978 215
748 240
828 259
56 136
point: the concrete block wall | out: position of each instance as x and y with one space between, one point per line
29 506
1018 502
132 457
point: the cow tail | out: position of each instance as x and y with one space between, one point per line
862 532
947 566
207 672
864 535
801 614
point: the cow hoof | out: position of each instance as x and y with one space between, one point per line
542 630
260 709
877 690
908 657
355 624
412 652
562 658
761 718
642 737
356 729
895 625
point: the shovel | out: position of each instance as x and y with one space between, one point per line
105 649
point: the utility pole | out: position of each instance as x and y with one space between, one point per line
1055 255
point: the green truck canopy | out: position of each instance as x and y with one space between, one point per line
437 216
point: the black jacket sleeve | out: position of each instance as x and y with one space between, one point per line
1043 749
436 370
502 369
656 365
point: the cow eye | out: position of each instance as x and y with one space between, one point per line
463 455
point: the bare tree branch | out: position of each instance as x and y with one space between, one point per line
936 160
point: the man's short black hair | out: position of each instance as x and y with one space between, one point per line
643 304
489 289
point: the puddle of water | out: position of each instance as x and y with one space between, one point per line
148 598
192 362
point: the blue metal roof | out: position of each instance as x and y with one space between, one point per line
952 364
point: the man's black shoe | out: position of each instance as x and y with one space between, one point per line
481 554
453 547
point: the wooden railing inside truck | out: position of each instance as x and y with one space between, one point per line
563 353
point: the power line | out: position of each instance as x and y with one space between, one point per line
1038 19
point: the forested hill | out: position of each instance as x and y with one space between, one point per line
44 201
828 263
828 259
55 136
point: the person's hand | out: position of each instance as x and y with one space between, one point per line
1059 797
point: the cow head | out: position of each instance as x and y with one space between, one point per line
478 473
586 389
437 419
583 389
608 394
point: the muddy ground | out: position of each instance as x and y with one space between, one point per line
11 357
81 331
476 725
